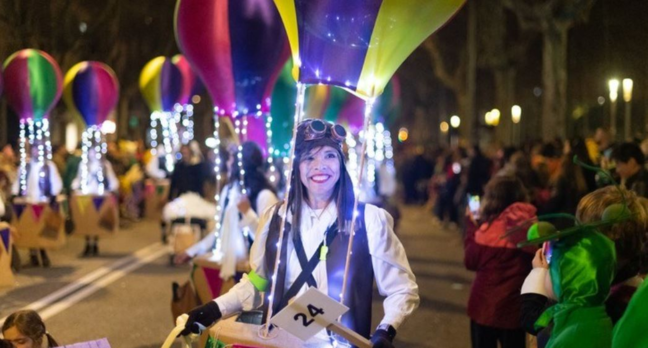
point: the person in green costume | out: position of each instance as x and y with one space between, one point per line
578 276
630 331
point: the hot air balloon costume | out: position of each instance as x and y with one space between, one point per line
33 84
91 92
356 45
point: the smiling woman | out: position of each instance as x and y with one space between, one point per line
313 250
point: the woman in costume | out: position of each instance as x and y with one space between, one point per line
43 183
240 213
100 179
320 206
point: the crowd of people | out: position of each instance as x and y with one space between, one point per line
545 189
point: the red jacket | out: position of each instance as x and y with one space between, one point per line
501 267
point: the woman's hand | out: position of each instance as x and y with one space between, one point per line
470 216
181 258
201 317
539 261
243 204
380 339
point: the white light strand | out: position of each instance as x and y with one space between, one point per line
153 132
273 170
299 113
166 138
217 169
38 125
174 119
48 143
98 153
367 120
239 155
23 159
85 147
188 124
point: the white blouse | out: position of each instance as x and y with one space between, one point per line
233 242
393 275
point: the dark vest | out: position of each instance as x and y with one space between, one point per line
359 289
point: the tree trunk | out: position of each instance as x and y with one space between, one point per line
468 114
504 94
554 81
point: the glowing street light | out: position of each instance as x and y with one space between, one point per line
627 97
444 127
613 84
455 121
516 114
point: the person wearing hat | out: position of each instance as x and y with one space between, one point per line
318 213
576 271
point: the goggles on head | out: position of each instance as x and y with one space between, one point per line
317 129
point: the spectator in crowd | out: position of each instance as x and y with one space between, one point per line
186 176
26 329
500 266
630 167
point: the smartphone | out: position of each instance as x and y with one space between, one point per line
547 251
473 205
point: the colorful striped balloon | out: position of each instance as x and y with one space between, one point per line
161 84
188 78
237 47
33 83
358 44
91 91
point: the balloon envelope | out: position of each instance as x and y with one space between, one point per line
358 44
33 83
188 78
161 84
91 90
237 47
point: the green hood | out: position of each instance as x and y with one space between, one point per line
582 268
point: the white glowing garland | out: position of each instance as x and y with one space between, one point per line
23 159
217 167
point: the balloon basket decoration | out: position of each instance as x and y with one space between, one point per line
235 333
206 279
94 215
6 241
39 225
156 192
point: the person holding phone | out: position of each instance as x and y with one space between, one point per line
501 267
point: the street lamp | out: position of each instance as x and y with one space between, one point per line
455 121
614 94
627 97
516 116
495 116
444 127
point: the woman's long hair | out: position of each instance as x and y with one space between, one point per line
30 324
343 194
500 192
254 178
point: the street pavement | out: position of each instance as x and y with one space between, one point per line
125 293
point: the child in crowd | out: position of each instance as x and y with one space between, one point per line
25 329
494 304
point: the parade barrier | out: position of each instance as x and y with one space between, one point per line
94 215
155 196
206 277
39 225
6 275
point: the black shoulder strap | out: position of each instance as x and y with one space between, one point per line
307 269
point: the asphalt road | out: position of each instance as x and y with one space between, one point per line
125 293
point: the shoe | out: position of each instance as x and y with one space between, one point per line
33 260
87 251
45 259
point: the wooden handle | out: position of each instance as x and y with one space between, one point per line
350 335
